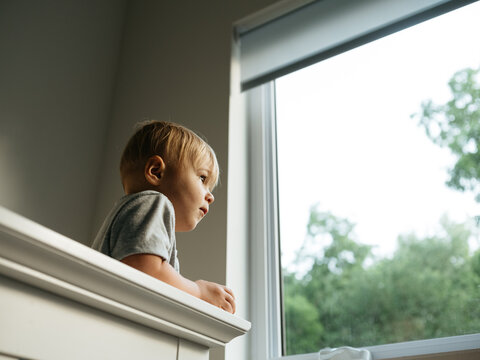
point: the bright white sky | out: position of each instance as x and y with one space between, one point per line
346 139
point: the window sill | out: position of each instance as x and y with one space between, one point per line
441 347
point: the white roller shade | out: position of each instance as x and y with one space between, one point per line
324 28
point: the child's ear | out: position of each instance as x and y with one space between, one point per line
154 169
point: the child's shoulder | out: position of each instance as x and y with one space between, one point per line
132 209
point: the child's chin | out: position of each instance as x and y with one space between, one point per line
187 227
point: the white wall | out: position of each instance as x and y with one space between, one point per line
77 75
57 69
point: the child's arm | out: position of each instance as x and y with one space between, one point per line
155 266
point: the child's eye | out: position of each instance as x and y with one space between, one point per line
203 178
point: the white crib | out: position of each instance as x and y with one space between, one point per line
62 300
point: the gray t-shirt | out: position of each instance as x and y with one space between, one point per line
141 223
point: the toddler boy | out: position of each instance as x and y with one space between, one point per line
168 174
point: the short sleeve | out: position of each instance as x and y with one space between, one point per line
144 225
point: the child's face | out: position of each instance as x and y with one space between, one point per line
187 189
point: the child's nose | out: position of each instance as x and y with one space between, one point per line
210 198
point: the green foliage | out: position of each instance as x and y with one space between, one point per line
456 125
304 329
429 288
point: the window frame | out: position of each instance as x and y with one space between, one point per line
265 276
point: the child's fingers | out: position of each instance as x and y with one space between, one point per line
229 291
227 308
231 302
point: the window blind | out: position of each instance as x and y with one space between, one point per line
324 28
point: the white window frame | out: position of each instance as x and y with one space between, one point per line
266 335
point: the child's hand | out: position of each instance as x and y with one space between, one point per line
217 295
155 266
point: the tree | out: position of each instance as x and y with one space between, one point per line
428 288
304 327
456 125
318 295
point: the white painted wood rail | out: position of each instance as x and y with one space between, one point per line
62 300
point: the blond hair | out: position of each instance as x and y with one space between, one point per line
174 143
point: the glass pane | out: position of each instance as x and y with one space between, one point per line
379 171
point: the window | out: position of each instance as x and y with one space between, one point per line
348 169
376 248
